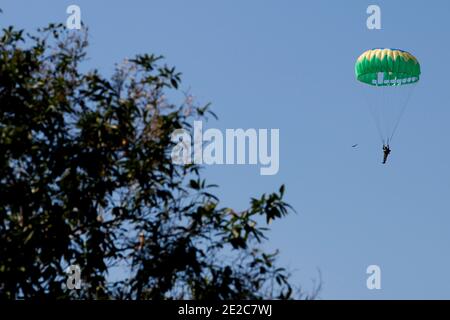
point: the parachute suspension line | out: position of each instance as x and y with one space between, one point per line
382 106
390 104
372 109
405 104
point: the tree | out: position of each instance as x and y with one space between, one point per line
86 179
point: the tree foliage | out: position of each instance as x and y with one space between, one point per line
86 179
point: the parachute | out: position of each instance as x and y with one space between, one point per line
389 77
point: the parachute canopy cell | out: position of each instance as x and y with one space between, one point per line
387 67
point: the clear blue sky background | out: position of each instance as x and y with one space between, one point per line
289 65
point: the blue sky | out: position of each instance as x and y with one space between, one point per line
290 65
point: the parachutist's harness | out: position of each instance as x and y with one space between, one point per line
386 151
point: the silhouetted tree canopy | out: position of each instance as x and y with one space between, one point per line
86 179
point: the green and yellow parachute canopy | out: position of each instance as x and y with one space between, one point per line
387 67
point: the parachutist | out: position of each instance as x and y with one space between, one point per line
386 151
